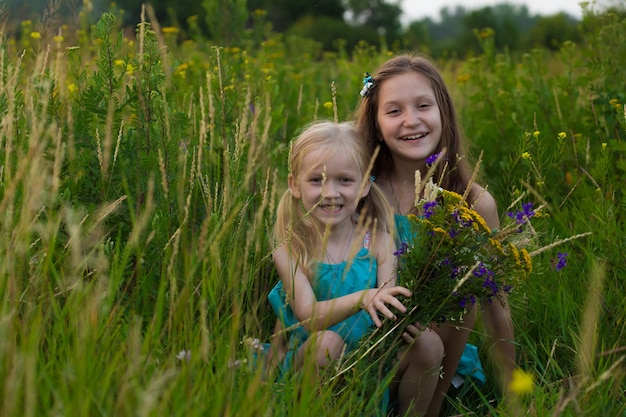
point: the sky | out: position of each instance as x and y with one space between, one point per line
419 9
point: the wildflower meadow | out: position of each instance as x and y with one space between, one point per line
139 178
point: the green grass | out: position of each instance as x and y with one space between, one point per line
138 185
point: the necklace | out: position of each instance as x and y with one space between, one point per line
397 199
346 247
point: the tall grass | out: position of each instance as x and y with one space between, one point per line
138 184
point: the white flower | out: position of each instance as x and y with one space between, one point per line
184 355
254 344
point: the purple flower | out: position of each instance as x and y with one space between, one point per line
429 209
527 209
521 216
464 301
491 285
562 260
432 158
404 247
481 270
456 215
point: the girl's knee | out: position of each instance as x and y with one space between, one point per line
328 346
427 350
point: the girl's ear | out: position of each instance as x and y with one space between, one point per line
293 187
366 188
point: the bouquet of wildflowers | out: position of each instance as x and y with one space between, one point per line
452 261
455 259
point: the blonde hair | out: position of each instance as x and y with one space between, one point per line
297 228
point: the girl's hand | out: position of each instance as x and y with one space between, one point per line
413 331
381 299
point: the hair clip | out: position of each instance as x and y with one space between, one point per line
368 83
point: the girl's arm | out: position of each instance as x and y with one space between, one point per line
387 262
497 315
318 315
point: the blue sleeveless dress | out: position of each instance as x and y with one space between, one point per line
403 229
331 281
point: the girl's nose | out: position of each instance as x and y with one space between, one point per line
412 118
330 189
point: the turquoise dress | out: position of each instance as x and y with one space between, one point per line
331 281
403 229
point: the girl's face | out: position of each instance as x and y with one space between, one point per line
329 187
408 117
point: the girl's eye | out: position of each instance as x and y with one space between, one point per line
346 180
315 180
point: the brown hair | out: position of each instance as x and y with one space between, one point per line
458 169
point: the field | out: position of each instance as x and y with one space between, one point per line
138 183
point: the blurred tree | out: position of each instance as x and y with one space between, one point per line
504 19
381 17
168 13
321 20
417 35
453 32
333 34
284 13
550 32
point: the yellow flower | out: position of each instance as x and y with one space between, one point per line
468 214
496 244
568 178
440 231
414 218
328 105
119 62
72 88
451 196
536 134
35 35
130 69
513 252
462 78
528 263
562 135
603 145
526 155
170 29
58 39
486 33
481 221
521 382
